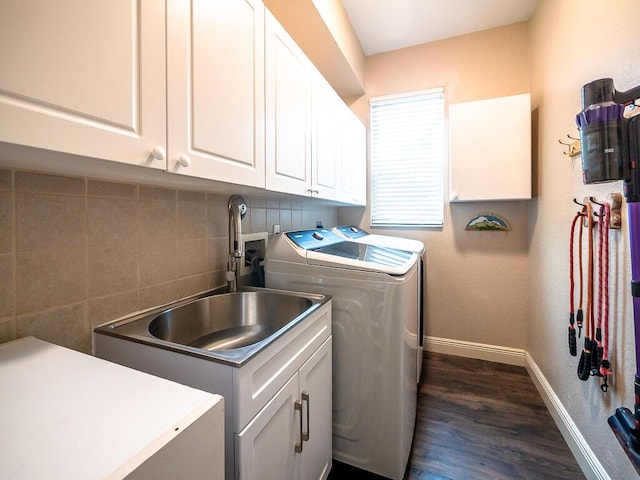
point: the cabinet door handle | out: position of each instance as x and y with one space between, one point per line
305 398
184 161
298 407
159 153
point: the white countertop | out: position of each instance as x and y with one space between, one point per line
64 414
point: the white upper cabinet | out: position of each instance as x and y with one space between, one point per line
85 78
315 144
326 154
339 163
353 187
490 149
288 112
213 89
216 90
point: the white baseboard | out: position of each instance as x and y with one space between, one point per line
481 351
585 457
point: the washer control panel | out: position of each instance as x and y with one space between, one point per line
351 231
313 239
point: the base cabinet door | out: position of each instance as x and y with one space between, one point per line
265 447
290 438
316 395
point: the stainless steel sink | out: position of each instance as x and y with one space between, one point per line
231 320
225 327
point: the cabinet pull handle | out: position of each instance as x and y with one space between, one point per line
305 398
298 407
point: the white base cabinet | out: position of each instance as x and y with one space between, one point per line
262 424
290 438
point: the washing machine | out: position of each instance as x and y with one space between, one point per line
374 320
359 235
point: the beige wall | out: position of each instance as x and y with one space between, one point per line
335 17
477 281
572 43
323 32
77 252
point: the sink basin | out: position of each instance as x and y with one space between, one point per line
228 321
225 327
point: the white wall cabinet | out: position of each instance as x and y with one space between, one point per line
288 112
353 138
90 79
315 145
86 78
212 89
290 439
490 149
326 153
339 162
215 90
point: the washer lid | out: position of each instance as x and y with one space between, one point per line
361 236
324 247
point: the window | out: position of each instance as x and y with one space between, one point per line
407 159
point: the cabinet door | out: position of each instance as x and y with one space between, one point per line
326 153
265 449
316 395
216 89
354 159
490 149
288 112
85 78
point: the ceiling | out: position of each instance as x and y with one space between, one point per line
384 25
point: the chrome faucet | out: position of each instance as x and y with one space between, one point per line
237 210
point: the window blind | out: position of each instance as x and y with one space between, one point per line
407 159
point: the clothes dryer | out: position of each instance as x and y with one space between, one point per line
375 307
359 235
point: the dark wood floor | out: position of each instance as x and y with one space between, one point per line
481 420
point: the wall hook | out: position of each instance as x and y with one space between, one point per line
614 200
615 219
574 148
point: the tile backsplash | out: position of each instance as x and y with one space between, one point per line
77 252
